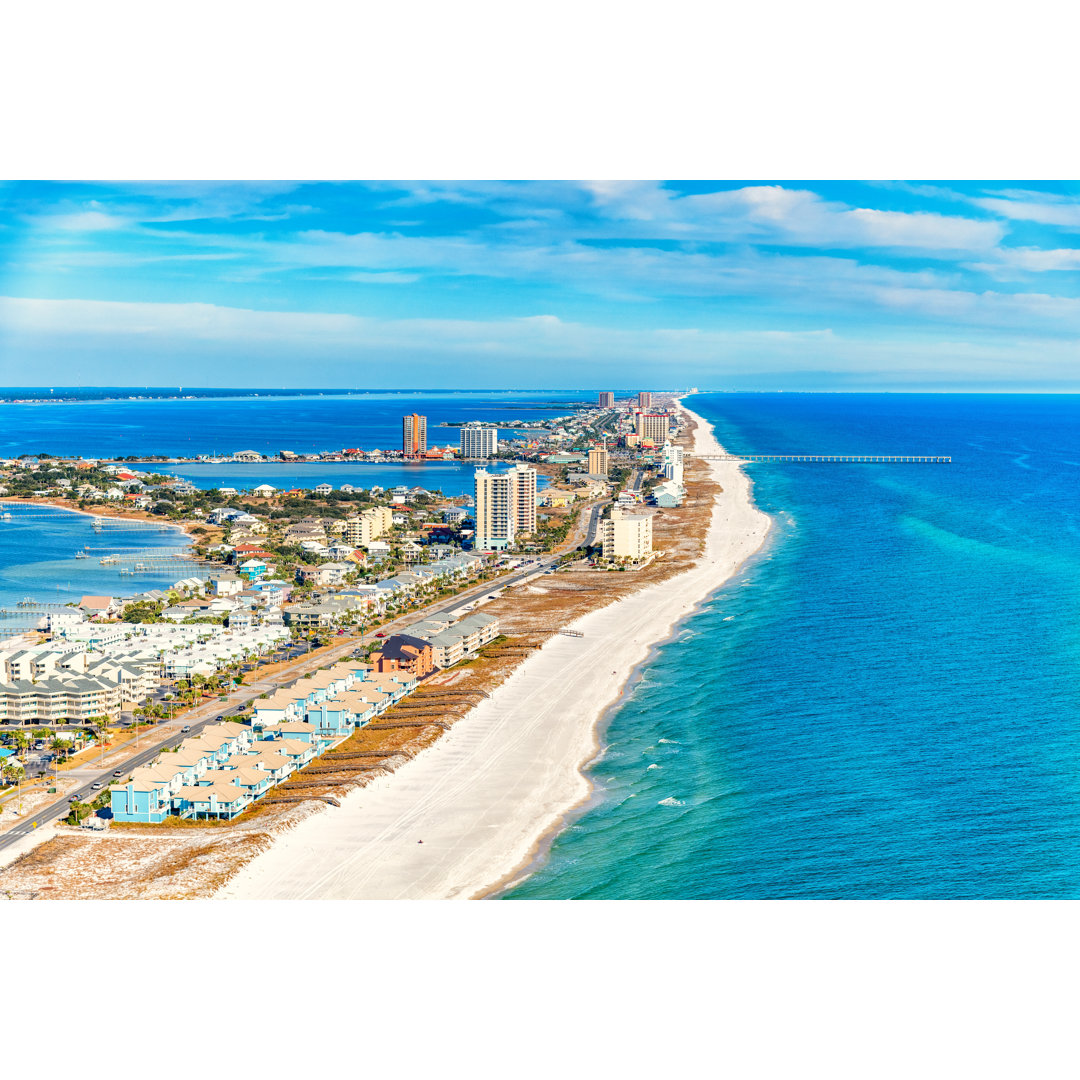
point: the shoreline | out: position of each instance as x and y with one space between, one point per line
477 811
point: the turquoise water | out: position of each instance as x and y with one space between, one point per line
886 702
37 559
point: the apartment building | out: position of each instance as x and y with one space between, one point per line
523 482
59 700
672 463
413 435
368 526
453 642
644 399
402 652
494 514
652 427
606 399
599 462
626 536
505 506
479 440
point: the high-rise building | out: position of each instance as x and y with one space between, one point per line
371 523
598 462
673 463
494 497
652 427
505 506
626 536
523 480
413 435
607 399
479 440
644 399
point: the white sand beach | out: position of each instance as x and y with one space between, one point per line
470 812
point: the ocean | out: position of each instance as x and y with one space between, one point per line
885 702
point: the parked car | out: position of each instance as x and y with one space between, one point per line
380 634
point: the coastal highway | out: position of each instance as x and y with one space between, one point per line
584 531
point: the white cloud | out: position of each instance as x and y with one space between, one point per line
545 349
80 221
1039 207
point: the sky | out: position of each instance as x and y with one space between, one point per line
756 285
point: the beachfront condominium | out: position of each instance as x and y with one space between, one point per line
607 399
644 399
493 493
672 463
523 480
413 435
652 427
626 536
479 440
598 462
505 506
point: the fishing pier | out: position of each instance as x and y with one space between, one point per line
858 459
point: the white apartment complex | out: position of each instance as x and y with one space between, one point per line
479 440
673 463
626 536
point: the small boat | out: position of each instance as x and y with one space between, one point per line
5 516
81 555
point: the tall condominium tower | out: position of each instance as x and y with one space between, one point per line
599 462
652 427
479 440
524 483
413 435
607 399
505 506
644 399
494 510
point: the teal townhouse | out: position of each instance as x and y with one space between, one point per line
154 790
210 801
295 750
219 773
141 800
255 782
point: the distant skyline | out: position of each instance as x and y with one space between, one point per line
546 285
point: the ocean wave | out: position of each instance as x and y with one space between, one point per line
671 801
675 741
654 767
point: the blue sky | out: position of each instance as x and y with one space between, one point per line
750 285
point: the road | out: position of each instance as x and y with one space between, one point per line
201 715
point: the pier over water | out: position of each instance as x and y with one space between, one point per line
887 459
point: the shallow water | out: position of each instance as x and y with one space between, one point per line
886 701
